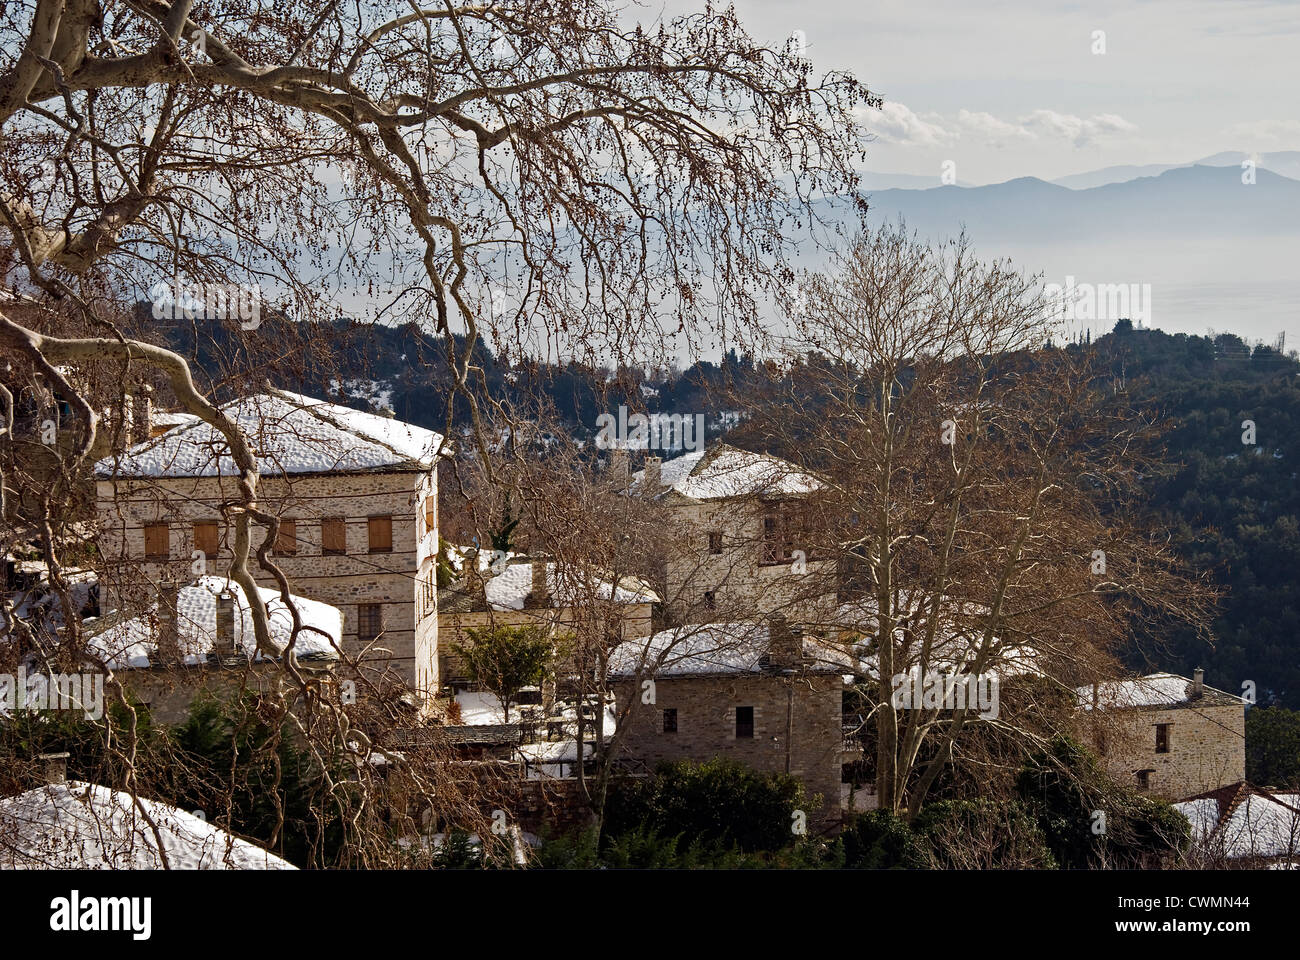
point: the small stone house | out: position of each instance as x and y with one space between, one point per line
198 638
356 498
1167 735
757 693
749 522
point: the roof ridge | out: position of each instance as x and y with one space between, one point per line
287 397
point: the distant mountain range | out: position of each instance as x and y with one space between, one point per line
1218 253
1285 162
1179 200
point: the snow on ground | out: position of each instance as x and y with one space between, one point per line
130 643
84 826
289 433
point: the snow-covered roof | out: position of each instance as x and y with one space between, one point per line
84 826
288 433
168 420
130 643
1240 821
509 588
959 638
481 708
726 471
714 648
1156 690
554 751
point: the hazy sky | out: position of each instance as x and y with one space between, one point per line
1013 88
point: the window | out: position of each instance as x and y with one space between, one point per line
710 600
1144 779
670 720
1162 738
381 534
771 539
286 539
157 541
430 514
429 593
207 536
333 536
715 541
744 723
370 621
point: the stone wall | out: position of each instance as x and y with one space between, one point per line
706 726
401 580
743 579
1207 748
169 693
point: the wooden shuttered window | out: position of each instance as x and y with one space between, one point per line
430 514
157 541
286 538
333 536
207 537
381 534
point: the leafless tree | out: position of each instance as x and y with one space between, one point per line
978 489
615 185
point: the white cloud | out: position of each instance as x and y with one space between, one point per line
896 123
990 129
1081 131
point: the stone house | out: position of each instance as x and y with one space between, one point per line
758 693
356 498
1167 735
749 523
198 639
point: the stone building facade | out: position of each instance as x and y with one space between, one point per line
1167 735
356 496
748 526
757 701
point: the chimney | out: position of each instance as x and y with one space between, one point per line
618 467
538 596
56 767
1198 684
168 646
224 643
117 423
652 482
784 645
142 414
